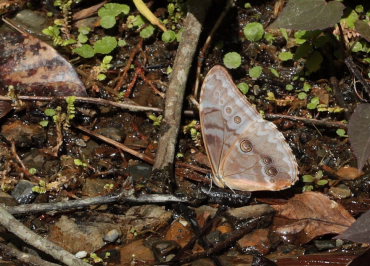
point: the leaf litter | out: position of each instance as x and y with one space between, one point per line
303 218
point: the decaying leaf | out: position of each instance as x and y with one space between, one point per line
359 231
312 214
34 68
359 133
309 15
364 29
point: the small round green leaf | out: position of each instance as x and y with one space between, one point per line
243 87
106 45
169 36
113 10
255 72
289 87
302 95
108 22
50 112
232 60
253 31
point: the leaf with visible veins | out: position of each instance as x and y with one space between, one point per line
309 15
34 68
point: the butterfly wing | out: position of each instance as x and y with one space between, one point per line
246 152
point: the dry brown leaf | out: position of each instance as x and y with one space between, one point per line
312 214
349 173
34 68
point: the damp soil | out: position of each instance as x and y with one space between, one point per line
66 163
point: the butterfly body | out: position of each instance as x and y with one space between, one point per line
246 152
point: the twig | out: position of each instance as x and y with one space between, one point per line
206 45
307 120
122 78
28 236
77 204
233 237
128 106
142 156
176 89
25 257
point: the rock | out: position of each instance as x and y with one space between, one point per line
23 193
165 250
137 251
96 187
112 236
81 236
258 240
24 135
81 254
180 232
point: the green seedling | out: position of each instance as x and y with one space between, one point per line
157 120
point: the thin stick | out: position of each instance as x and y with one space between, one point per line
28 236
307 120
78 204
142 156
122 78
127 106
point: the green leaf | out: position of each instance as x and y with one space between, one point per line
243 87
50 112
147 32
311 106
253 31
107 59
101 76
285 56
82 38
315 100
113 10
44 123
302 95
108 22
309 15
121 43
341 132
106 45
307 188
232 60
255 72
307 87
308 178
86 51
289 87
274 72
322 182
169 36
32 171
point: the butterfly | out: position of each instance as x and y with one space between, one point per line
246 152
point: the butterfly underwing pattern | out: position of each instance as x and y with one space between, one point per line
246 152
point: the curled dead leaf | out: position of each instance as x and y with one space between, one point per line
312 214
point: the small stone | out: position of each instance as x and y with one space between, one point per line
81 254
23 193
112 236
